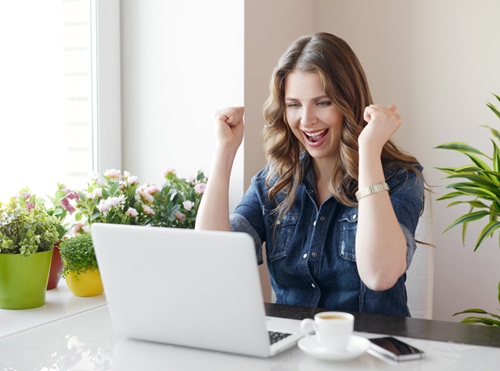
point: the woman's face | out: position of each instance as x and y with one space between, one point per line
311 115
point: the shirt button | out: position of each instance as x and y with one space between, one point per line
304 256
322 218
314 223
354 216
314 254
311 191
313 285
278 222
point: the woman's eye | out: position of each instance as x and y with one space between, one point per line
325 103
292 105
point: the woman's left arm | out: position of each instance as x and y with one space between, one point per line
380 241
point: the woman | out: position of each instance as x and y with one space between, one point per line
338 203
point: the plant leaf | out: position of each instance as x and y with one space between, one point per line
460 147
476 178
495 110
467 218
486 232
473 204
483 320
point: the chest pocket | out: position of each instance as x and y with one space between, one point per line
282 236
348 227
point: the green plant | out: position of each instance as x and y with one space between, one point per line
78 254
111 198
176 204
479 189
63 205
25 225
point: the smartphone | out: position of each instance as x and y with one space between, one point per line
395 349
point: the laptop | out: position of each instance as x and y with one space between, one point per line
198 289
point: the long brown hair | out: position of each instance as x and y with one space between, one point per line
346 85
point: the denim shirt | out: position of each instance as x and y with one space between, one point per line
311 254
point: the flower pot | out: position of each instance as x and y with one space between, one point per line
56 267
23 280
88 283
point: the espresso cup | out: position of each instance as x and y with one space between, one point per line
333 330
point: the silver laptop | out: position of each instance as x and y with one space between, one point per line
191 288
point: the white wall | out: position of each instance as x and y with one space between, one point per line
270 26
181 60
438 61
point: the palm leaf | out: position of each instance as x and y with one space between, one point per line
460 147
487 231
493 131
469 189
473 204
482 320
467 218
495 110
479 162
477 311
450 195
476 178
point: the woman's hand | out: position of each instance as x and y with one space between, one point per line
382 124
229 127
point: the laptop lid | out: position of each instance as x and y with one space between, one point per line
186 287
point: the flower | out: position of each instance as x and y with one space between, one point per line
111 198
26 226
176 204
63 205
116 197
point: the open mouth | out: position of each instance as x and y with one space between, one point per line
316 136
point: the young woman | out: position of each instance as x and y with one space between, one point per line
338 203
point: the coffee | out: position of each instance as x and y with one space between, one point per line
332 317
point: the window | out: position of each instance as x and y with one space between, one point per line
51 93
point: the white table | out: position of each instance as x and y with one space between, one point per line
72 333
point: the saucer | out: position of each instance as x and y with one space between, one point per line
356 347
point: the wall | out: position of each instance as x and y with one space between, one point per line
180 62
438 61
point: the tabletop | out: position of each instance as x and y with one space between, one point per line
84 339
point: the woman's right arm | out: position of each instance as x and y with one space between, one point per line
213 213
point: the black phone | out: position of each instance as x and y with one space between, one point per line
395 349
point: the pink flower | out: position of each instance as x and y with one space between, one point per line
78 226
69 208
148 210
188 205
72 195
200 188
29 205
180 216
132 212
97 192
113 174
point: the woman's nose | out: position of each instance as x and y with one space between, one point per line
308 117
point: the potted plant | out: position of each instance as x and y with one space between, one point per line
110 198
63 205
80 265
177 203
27 236
479 188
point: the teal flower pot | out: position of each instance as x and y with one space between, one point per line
23 280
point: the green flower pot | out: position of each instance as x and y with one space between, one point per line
23 280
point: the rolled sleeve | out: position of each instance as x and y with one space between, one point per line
240 224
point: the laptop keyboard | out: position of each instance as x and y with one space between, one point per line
277 336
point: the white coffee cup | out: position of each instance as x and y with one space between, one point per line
333 329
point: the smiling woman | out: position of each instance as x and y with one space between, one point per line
49 92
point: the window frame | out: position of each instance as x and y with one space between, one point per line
106 85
